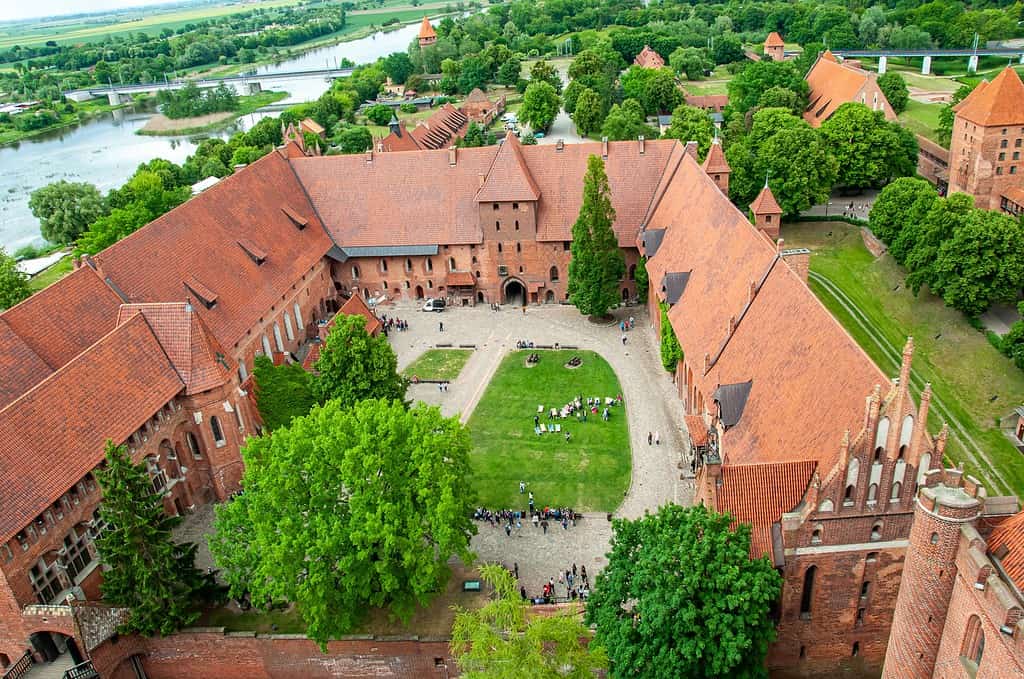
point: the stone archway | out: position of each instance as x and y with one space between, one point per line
515 292
549 297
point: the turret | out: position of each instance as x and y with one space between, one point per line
717 167
767 213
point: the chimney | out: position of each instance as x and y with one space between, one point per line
560 145
640 139
691 150
604 148
780 245
451 155
369 155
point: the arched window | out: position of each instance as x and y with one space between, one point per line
451 264
499 247
243 371
218 433
519 247
288 330
266 346
894 496
430 285
852 476
517 225
156 474
974 642
826 506
872 557
298 315
923 465
497 225
816 535
193 446
277 337
355 271
935 538
876 531
808 593
408 264
848 495
430 264
383 264
856 645
872 492
553 273
882 434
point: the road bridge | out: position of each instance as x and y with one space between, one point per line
972 54
249 83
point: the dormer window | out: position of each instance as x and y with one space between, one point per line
298 220
253 251
204 294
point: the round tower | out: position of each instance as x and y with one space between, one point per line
947 500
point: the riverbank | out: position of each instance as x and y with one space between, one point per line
162 126
85 111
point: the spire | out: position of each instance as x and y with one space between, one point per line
394 126
427 31
765 203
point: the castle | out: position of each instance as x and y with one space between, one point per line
151 343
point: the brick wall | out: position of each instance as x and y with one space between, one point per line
202 653
974 164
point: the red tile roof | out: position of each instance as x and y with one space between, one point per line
193 251
648 58
1000 102
708 102
715 162
199 360
54 434
460 278
759 494
355 306
310 125
833 84
426 30
508 178
697 429
438 131
765 203
1010 535
64 319
1015 194
21 368
774 40
420 199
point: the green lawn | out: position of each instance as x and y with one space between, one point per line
704 87
438 364
589 473
965 371
922 119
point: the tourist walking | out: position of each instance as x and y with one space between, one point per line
650 438
657 438
440 325
522 487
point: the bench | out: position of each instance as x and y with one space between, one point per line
446 345
540 409
470 585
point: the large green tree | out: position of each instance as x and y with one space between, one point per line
349 507
588 113
626 122
14 285
542 71
540 105
145 570
355 366
917 245
283 392
654 88
502 641
894 87
681 597
597 264
983 263
870 150
757 77
904 201
671 352
690 62
354 139
691 124
66 209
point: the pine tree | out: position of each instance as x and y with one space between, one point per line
597 263
147 572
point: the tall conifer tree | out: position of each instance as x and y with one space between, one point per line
597 263
148 572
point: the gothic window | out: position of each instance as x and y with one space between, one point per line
499 247
519 247
856 649
451 264
816 535
76 557
383 264
355 271
974 642
298 315
865 587
243 372
408 264
277 338
288 330
848 495
45 583
553 273
895 494
872 492
266 346
497 225
808 593
193 446
876 531
430 264
218 433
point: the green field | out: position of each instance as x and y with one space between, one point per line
922 119
965 371
589 473
438 364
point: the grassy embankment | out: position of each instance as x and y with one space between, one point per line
179 127
973 383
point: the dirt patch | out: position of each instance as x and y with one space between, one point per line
161 124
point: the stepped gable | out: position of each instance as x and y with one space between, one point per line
1007 539
759 494
193 251
633 176
508 178
765 203
775 40
426 30
197 357
21 368
809 365
398 198
55 433
63 320
1000 102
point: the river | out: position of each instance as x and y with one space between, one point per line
105 150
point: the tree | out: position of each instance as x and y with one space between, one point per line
14 285
681 597
354 139
355 366
107 230
691 124
597 264
244 155
727 49
671 352
654 88
983 263
869 149
626 122
542 71
1013 341
642 280
946 114
348 507
588 113
501 640
746 88
145 570
894 87
283 392
475 73
379 114
902 202
508 72
918 243
66 209
690 62
780 97
398 66
540 105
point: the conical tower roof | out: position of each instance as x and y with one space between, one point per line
426 30
1000 102
715 162
765 203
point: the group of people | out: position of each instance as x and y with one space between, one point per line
576 583
627 325
393 323
533 358
524 344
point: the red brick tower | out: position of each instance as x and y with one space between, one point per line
717 167
767 213
427 36
774 47
946 501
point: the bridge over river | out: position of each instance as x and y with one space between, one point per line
972 54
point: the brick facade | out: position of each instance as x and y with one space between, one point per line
984 162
